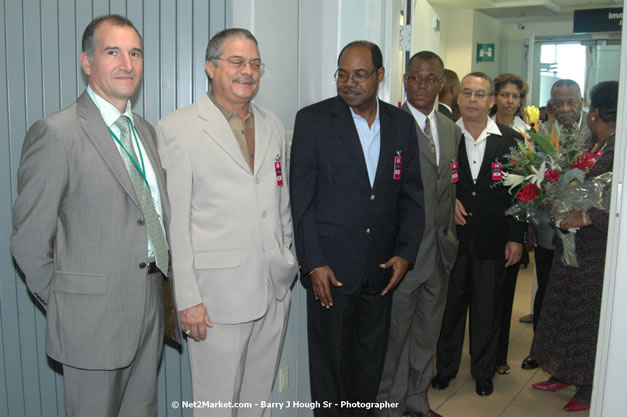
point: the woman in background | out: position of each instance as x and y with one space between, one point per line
510 91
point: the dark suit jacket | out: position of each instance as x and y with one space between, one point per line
486 201
445 111
339 219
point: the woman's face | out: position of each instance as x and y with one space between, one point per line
508 100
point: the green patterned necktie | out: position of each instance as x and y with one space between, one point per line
146 202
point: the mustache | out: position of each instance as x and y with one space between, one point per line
348 90
245 78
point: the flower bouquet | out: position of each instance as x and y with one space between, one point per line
546 175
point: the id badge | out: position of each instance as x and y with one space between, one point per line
398 163
454 172
497 171
278 171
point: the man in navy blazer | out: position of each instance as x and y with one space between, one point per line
358 212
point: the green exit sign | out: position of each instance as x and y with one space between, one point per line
485 52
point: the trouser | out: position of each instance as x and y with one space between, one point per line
475 283
417 310
347 345
126 392
237 363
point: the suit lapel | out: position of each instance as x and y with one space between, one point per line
387 151
218 129
448 147
97 132
423 142
347 134
465 173
262 138
490 155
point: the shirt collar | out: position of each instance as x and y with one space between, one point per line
226 112
447 106
355 115
490 129
421 117
109 112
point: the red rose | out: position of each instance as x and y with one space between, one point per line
528 192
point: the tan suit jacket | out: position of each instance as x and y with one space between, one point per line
231 229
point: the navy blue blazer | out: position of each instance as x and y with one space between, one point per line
339 219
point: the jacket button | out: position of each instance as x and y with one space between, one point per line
470 214
142 265
367 230
372 196
140 222
474 193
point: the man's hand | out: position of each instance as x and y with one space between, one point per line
460 213
513 253
399 268
320 279
194 322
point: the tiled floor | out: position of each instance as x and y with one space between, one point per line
513 395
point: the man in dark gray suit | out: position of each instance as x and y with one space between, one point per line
419 300
89 232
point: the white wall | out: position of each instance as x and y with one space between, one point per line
456 47
487 30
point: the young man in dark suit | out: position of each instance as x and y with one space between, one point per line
357 205
489 241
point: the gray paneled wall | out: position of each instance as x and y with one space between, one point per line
40 74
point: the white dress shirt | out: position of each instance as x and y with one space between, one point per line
110 115
421 119
475 149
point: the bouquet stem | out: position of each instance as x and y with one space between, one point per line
569 254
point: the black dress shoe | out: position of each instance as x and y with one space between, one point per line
440 381
484 387
530 363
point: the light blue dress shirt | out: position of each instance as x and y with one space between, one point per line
370 138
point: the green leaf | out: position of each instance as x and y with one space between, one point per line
544 143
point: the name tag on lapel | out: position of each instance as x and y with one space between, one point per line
497 171
278 171
454 172
398 163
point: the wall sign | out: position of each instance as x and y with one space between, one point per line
598 20
485 52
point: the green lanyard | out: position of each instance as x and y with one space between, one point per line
142 169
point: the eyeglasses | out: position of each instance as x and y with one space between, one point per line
479 94
358 77
417 79
505 96
237 62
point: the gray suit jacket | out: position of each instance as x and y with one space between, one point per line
79 236
440 230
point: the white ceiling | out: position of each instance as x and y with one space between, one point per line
525 10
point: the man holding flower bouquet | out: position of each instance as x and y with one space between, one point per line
489 241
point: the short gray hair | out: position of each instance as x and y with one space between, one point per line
214 47
483 76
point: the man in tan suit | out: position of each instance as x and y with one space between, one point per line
89 232
231 229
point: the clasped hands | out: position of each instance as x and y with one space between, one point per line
323 277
